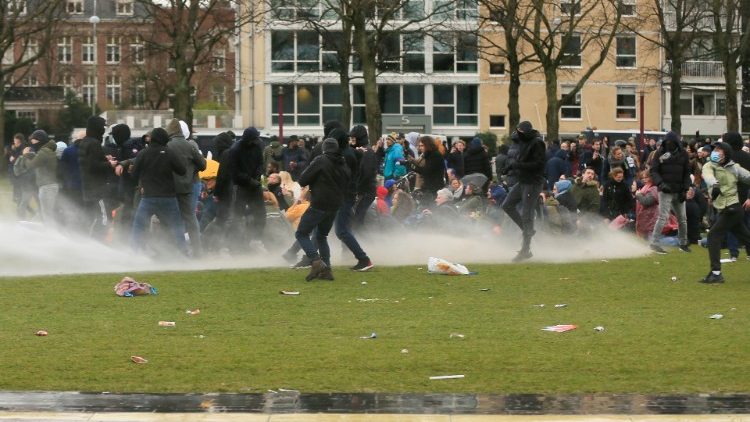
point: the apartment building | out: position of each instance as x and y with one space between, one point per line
440 78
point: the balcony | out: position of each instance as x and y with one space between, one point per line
143 120
698 71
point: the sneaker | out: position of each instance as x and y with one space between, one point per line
316 267
326 274
289 257
685 248
733 258
303 263
363 265
522 256
712 278
658 249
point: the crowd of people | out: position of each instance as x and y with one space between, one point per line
246 194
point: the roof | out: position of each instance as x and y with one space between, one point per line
34 94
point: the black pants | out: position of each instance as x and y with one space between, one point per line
730 219
527 194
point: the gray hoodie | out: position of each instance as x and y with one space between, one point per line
190 155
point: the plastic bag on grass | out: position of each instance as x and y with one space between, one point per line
127 287
441 266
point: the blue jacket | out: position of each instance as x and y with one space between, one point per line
393 154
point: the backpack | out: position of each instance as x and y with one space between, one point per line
127 287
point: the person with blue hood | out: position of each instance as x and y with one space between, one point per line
558 165
530 167
327 177
567 204
723 176
244 167
670 172
394 157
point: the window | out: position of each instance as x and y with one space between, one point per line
703 103
454 52
455 105
113 50
455 9
331 103
218 95
625 51
8 55
64 49
413 57
497 120
31 80
218 63
27 114
412 99
87 50
17 8
329 51
627 7
497 69
88 89
626 102
572 51
136 50
125 7
295 49
67 82
139 94
389 50
296 9
301 105
570 7
114 89
393 99
570 109
74 7
412 10
31 49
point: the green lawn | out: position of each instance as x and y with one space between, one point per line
658 336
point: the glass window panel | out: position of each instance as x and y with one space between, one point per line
442 62
442 115
703 104
358 94
332 113
497 120
308 99
413 9
414 62
413 94
282 67
466 120
390 99
358 115
282 45
413 110
467 99
442 94
308 46
308 120
331 94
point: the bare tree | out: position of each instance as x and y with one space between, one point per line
26 29
680 25
560 34
512 18
189 33
730 44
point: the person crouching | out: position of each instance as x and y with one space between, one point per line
327 176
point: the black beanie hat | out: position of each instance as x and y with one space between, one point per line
40 136
359 133
159 136
734 139
341 137
330 145
329 126
120 133
95 127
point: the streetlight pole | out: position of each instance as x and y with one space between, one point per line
94 19
281 113
643 116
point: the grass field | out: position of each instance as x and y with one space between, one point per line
658 336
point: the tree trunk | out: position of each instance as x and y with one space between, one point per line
369 74
2 119
675 75
553 104
514 113
732 111
183 104
346 102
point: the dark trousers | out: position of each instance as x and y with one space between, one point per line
732 242
343 229
190 220
362 207
728 220
168 212
527 194
321 222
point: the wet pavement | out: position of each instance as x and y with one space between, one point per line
291 402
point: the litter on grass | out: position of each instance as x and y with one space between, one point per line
167 323
561 305
441 266
371 336
674 278
716 316
193 311
363 283
599 328
457 335
41 333
484 290
726 260
405 351
128 287
289 293
541 305
446 377
138 359
560 328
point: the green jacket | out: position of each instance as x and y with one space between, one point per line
726 177
586 196
43 163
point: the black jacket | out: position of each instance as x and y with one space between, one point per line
95 169
477 161
531 158
154 169
432 172
455 161
244 166
743 160
328 177
368 170
670 169
616 199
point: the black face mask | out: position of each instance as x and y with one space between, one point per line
273 186
36 146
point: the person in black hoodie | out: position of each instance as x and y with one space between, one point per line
476 160
742 159
670 171
367 174
530 168
96 168
328 177
244 167
154 169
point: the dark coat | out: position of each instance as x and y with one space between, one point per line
328 176
476 160
670 170
617 199
556 167
455 161
95 169
155 168
244 164
531 158
368 170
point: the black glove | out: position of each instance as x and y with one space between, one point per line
665 188
682 196
715 192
